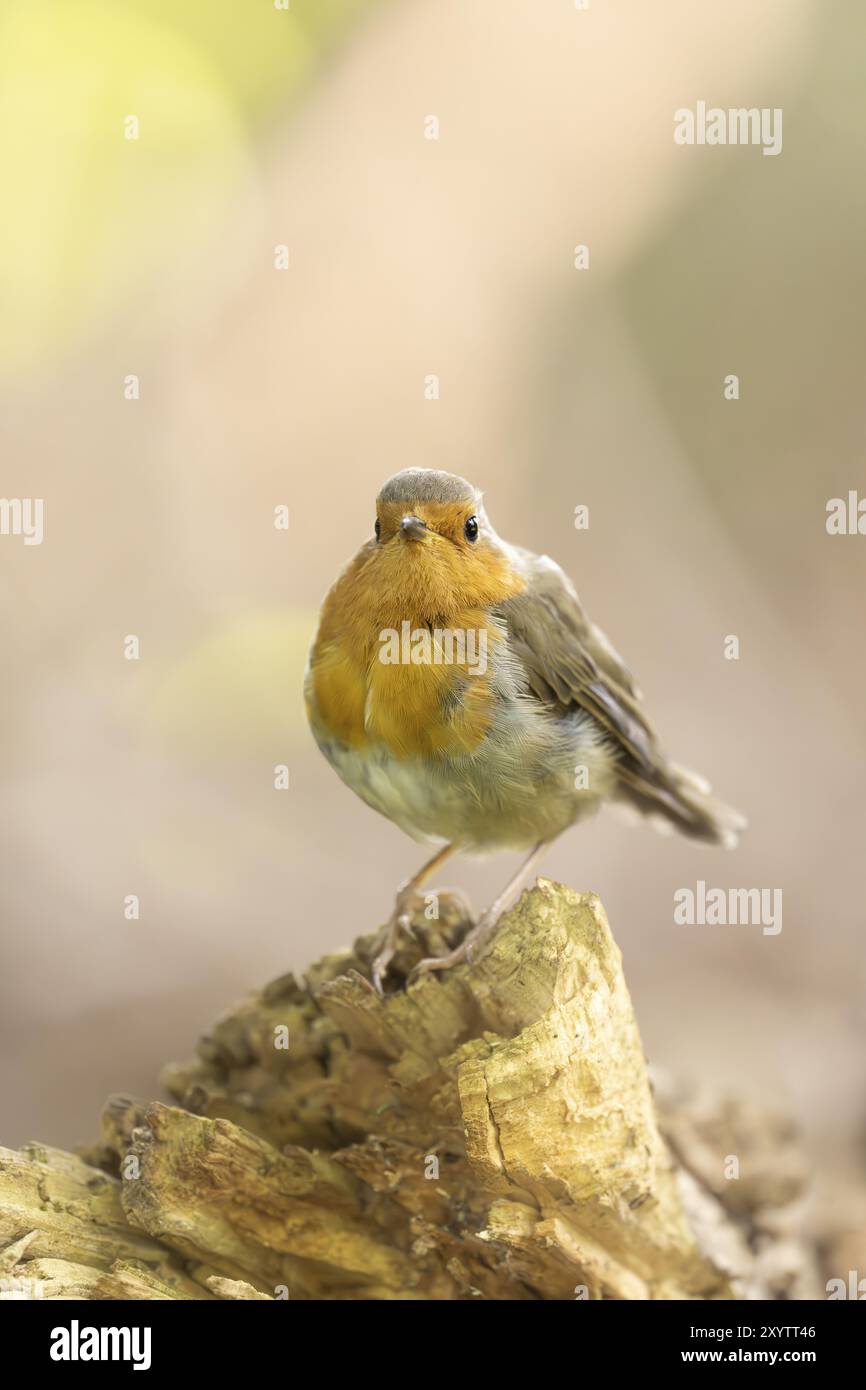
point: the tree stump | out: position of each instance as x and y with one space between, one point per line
489 1133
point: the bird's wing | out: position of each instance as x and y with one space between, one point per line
570 665
569 662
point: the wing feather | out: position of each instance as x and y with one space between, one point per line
571 665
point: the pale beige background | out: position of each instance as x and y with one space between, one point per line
558 388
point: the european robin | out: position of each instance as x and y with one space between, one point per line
457 685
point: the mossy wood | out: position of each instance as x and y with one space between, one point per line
491 1133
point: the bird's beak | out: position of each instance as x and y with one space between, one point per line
412 528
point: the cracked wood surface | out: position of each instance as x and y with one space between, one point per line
490 1133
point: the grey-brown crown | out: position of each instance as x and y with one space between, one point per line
427 485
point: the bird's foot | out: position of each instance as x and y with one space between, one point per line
409 904
470 947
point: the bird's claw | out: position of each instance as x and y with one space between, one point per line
401 923
465 953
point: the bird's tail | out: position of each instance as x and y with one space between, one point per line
674 798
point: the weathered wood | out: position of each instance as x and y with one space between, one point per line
489 1133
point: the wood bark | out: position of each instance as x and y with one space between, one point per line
490 1133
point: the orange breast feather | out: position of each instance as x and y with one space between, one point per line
425 708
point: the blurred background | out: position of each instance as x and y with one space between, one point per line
261 127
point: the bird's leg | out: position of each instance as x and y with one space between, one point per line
481 933
401 917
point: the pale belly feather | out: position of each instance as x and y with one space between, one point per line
531 777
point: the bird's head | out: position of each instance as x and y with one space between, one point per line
434 552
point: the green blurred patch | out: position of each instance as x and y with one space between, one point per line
89 214
261 53
239 691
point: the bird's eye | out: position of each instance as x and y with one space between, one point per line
378 528
470 530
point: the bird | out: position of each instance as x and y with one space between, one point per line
457 685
